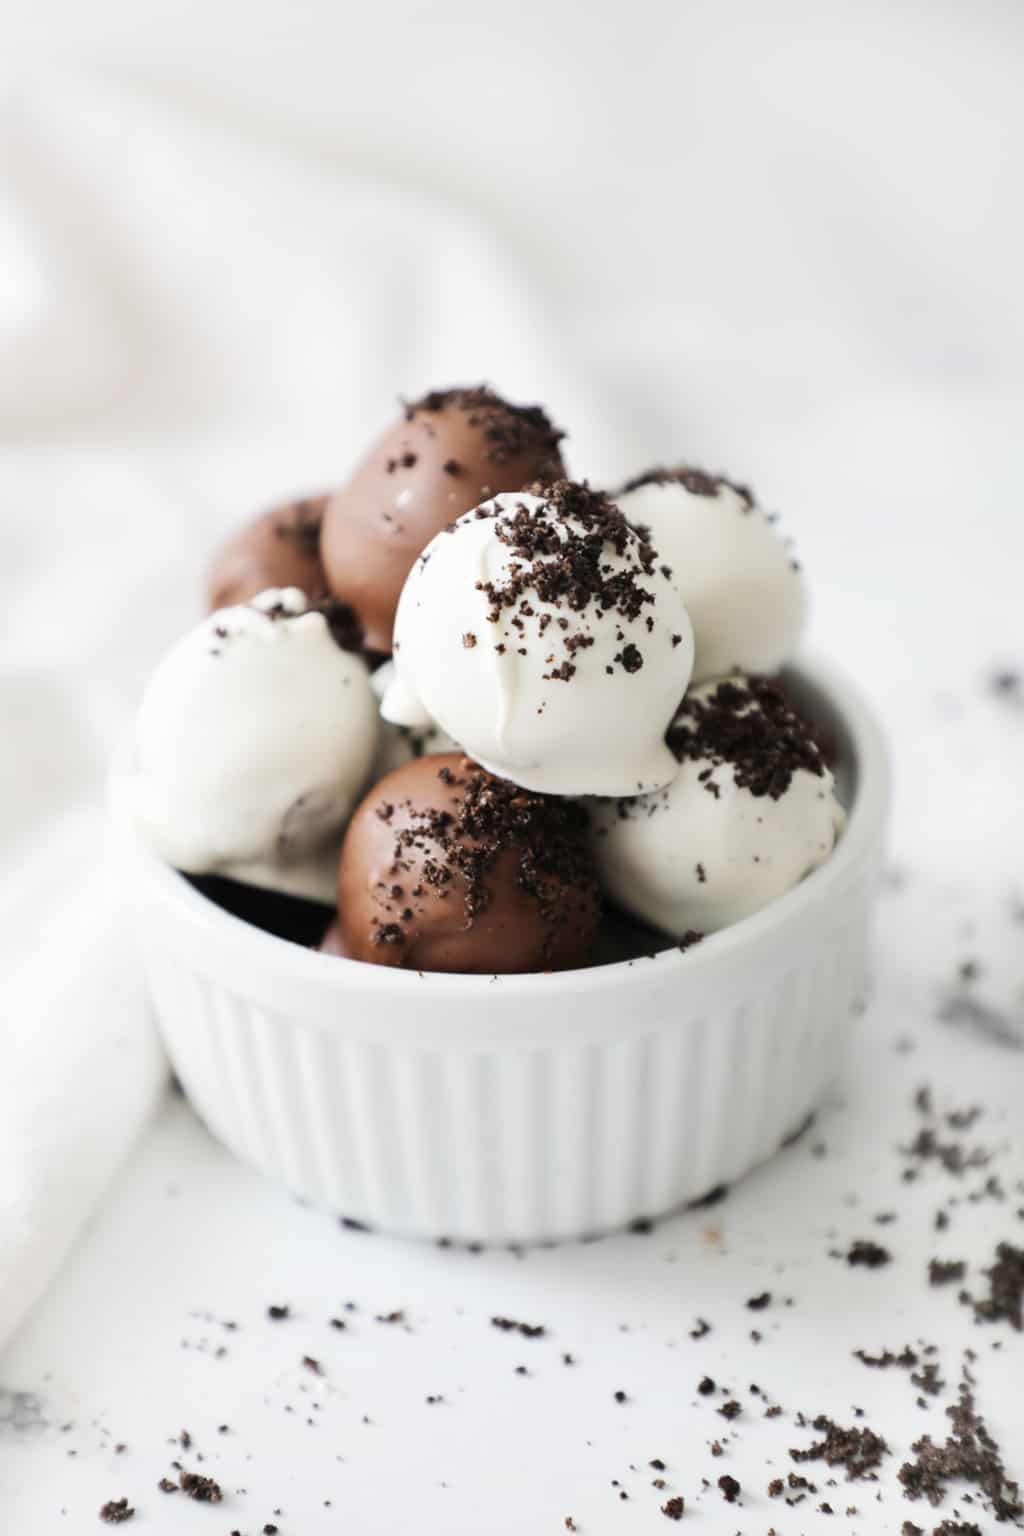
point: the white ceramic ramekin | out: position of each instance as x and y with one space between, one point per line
521 1108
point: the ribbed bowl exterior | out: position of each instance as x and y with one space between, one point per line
518 1109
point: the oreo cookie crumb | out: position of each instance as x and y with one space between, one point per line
970 1454
859 1450
527 1330
945 1271
510 431
1005 1299
697 481
731 1489
863 1252
748 725
491 817
116 1512
205 1490
560 558
674 1508
907 1358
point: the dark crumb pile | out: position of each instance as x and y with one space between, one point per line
116 1512
953 1156
203 1489
301 525
924 1372
510 431
945 1271
560 558
865 1253
970 1455
926 1378
946 1528
697 481
750 726
1005 1299
492 817
859 1450
731 1489
527 1330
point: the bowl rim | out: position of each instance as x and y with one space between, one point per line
866 817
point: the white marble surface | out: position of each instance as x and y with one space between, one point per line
220 264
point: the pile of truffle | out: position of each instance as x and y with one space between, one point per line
482 716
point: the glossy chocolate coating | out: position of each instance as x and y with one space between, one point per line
444 456
426 884
280 548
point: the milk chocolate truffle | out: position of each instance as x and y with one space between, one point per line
446 868
281 548
448 452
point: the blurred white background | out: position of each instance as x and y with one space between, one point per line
783 240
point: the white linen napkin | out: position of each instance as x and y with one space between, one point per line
82 1065
193 322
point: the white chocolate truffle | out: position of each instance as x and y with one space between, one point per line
743 591
752 810
540 633
399 744
252 742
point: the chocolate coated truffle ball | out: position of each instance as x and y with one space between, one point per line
446 868
447 453
281 548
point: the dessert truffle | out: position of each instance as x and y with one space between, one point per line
447 452
398 744
281 548
446 868
742 588
253 739
752 811
541 633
